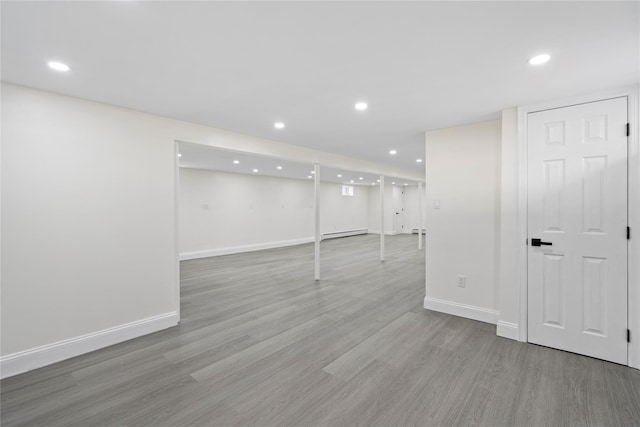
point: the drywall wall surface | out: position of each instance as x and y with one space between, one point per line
462 218
89 227
87 219
229 212
509 288
343 213
225 210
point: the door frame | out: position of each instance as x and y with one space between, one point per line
633 210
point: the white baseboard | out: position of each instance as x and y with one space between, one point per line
386 233
346 233
463 310
244 248
508 330
23 361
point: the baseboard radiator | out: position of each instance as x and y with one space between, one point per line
348 233
415 231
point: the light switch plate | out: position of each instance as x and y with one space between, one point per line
462 281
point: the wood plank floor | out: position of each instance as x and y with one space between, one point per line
262 344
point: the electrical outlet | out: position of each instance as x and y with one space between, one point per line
462 281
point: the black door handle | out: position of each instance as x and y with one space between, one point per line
538 242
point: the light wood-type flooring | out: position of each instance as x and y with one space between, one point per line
262 344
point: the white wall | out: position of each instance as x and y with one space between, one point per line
224 212
87 220
89 242
343 213
463 173
508 300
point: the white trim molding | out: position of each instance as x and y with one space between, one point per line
507 330
176 226
462 310
346 233
23 361
386 233
633 95
633 253
244 248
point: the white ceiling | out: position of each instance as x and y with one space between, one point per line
242 66
197 156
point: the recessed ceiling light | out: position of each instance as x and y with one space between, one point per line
373 183
58 66
393 183
235 162
377 180
361 178
418 160
309 177
351 181
255 171
406 184
339 176
361 106
313 172
279 168
539 59
278 125
179 155
393 152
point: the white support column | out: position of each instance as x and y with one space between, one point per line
420 215
316 195
381 217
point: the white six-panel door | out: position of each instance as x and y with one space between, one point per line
577 201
